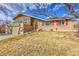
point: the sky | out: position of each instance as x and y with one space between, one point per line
39 10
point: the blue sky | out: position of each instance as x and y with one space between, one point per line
42 11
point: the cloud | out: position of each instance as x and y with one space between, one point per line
2 17
16 8
64 15
76 10
9 18
67 15
56 7
6 6
32 6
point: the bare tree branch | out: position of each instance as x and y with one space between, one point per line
71 10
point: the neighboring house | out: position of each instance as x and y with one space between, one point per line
2 28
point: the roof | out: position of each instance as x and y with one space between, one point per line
23 14
48 19
18 15
75 19
57 18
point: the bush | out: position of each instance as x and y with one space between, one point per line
78 31
40 30
51 30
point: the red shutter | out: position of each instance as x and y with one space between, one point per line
56 22
66 22
53 22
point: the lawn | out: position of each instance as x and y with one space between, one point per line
41 43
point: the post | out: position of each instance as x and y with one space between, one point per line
21 30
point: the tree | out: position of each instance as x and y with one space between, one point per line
71 10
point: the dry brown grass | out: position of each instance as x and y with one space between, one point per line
41 43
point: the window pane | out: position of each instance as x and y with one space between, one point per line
59 23
48 23
62 22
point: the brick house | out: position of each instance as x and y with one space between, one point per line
61 24
57 24
24 23
51 24
29 23
25 20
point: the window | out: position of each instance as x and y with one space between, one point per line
49 23
53 22
76 25
61 22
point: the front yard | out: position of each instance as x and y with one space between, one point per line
41 43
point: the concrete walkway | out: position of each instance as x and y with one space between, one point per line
5 36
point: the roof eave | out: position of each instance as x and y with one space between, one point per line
28 16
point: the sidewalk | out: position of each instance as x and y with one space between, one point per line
6 36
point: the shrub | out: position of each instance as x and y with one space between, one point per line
40 30
51 30
78 31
